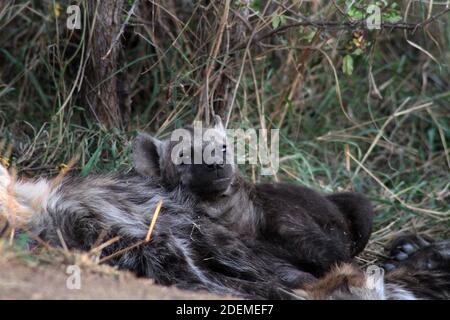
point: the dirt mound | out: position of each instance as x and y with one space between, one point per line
20 281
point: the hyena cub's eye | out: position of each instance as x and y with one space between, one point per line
183 161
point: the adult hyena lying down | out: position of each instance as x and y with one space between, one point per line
190 251
186 249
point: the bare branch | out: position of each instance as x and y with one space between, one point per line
122 28
356 24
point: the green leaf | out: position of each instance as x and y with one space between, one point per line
347 65
382 3
392 18
276 21
357 52
92 161
355 13
256 5
114 150
22 241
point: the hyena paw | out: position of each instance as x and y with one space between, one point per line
443 249
403 247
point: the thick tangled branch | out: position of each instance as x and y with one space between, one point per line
356 24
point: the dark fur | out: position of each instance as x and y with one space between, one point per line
298 225
186 249
418 269
420 265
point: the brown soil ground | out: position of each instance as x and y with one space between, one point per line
21 281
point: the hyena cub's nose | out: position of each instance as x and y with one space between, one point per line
214 166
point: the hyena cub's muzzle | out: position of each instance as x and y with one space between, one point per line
211 178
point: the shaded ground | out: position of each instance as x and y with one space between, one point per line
20 281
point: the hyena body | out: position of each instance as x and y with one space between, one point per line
418 269
186 249
311 231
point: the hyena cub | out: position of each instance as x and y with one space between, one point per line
186 249
419 268
309 230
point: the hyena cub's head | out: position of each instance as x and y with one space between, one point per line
194 158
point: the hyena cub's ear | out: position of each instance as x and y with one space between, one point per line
218 124
146 154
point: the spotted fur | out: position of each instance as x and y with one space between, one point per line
186 249
424 273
